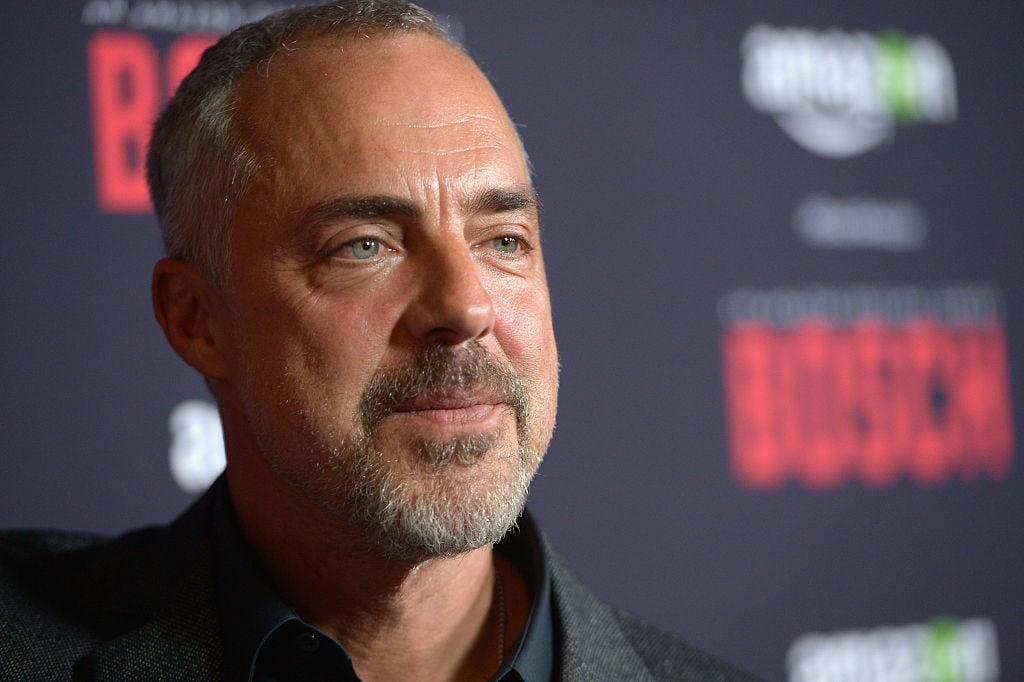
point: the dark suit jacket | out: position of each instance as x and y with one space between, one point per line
142 607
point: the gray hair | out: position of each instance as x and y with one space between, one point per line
198 166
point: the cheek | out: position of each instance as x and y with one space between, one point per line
312 352
523 329
318 322
338 348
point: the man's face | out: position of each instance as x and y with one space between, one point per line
391 354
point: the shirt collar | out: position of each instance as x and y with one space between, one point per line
252 611
534 653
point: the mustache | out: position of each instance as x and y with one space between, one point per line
440 370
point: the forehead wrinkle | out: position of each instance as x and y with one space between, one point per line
440 152
467 118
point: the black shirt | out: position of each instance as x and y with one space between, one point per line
265 641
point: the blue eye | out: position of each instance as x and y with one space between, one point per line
506 245
365 248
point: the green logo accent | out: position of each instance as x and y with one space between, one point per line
941 661
898 76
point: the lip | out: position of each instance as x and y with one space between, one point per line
477 408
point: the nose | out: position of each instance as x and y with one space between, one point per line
452 305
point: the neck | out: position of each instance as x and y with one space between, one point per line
436 619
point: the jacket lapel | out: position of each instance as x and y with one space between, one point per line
590 642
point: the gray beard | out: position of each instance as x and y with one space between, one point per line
457 496
449 513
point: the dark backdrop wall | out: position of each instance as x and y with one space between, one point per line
785 250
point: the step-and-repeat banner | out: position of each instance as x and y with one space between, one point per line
786 254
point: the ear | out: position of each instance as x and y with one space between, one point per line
190 310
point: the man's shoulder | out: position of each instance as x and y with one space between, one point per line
26 546
54 605
37 566
79 569
601 642
81 581
42 568
78 601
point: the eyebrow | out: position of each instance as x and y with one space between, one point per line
489 201
337 208
503 200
